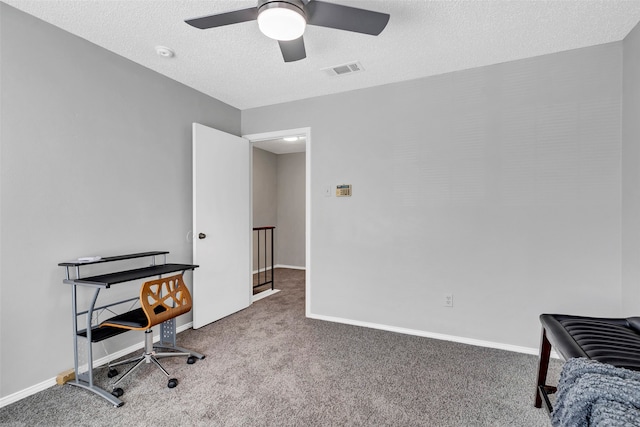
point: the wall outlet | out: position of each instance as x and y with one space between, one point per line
447 300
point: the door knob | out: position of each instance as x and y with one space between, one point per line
202 236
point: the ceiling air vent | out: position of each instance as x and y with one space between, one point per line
341 70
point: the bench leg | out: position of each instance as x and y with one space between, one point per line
543 366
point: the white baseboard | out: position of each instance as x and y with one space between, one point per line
4 401
434 335
292 267
7 400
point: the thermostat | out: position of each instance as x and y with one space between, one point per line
343 190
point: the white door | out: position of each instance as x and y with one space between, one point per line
221 224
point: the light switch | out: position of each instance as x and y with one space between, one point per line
326 190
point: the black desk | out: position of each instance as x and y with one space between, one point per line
92 332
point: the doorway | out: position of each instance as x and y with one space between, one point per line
280 176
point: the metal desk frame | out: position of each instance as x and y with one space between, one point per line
92 333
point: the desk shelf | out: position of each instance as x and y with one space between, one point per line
106 280
76 263
102 333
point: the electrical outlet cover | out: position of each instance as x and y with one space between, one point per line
447 300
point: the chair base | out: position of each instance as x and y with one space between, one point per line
151 356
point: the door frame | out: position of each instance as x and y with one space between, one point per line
255 137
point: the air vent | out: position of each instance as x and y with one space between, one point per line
341 70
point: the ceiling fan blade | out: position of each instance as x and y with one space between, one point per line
345 18
218 20
292 50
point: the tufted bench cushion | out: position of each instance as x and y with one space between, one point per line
612 341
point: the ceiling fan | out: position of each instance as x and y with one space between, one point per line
285 21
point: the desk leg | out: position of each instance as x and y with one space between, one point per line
85 379
97 390
74 313
168 339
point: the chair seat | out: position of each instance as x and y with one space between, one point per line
612 341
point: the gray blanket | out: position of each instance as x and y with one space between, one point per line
595 394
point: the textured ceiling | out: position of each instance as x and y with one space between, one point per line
238 65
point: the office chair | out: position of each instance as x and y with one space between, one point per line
160 300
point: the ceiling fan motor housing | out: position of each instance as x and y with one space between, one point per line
295 5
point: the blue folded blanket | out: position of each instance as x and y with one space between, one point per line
591 393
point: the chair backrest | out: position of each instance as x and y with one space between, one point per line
165 298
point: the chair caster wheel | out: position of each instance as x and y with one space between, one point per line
191 360
112 372
172 383
117 392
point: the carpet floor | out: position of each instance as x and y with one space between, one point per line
268 365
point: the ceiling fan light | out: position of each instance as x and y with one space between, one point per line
283 22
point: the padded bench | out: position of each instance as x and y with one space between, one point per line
612 341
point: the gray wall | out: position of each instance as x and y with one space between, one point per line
95 158
501 185
279 199
265 188
265 201
631 175
290 234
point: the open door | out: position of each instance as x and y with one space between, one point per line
221 224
